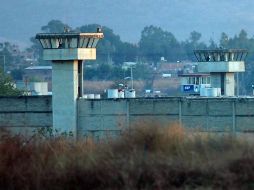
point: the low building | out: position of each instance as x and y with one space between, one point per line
33 88
38 74
192 83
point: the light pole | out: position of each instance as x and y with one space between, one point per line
126 78
131 79
130 93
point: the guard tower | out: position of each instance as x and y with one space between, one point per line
67 51
222 64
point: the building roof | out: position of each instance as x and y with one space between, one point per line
128 63
194 75
39 68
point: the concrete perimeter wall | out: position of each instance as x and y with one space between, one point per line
109 116
25 114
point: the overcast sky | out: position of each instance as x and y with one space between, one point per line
21 19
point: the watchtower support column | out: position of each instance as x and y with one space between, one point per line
67 52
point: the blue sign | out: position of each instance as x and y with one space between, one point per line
188 88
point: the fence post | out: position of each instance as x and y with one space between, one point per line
128 113
207 115
233 117
180 111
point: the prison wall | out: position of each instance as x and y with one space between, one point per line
25 114
110 116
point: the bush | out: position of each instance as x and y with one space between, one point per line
148 156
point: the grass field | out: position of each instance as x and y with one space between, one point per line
147 157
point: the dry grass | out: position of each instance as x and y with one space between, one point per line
166 83
96 86
146 157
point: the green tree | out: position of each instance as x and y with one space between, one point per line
195 37
111 49
7 87
126 52
142 71
89 73
224 39
6 57
156 43
242 40
17 74
55 26
212 44
193 43
37 49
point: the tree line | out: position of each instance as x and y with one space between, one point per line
154 43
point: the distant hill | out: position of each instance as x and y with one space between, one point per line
19 20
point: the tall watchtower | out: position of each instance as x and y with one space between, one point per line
222 64
67 51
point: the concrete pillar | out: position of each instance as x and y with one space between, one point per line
80 79
216 80
232 57
229 84
217 57
225 81
65 94
226 56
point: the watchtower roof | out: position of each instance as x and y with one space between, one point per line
194 75
68 35
217 55
69 40
221 51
